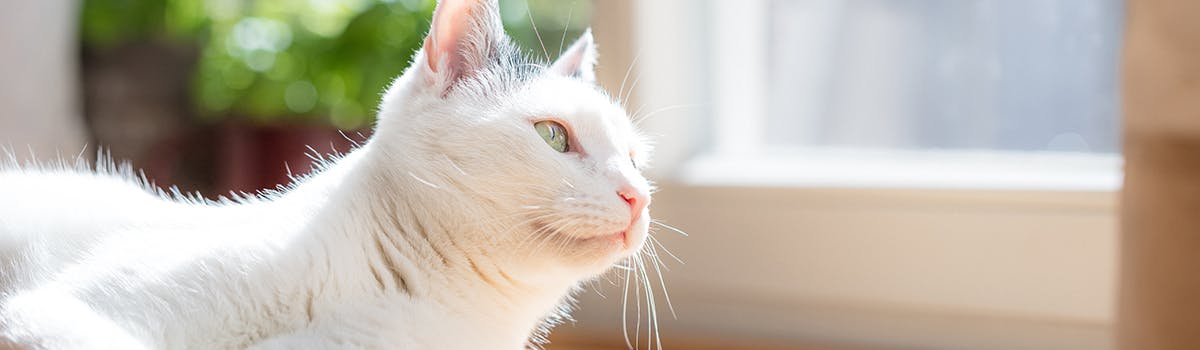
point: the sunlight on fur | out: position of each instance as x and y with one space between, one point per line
457 225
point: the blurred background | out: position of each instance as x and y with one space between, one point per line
853 174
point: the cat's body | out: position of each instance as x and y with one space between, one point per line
227 276
454 227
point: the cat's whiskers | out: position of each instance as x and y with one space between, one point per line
530 215
552 228
664 248
661 281
632 64
651 305
594 284
560 242
653 252
622 267
563 41
625 307
669 227
632 87
543 236
637 293
638 119
637 274
537 33
539 234
544 232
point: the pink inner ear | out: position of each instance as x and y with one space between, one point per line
450 27
579 59
569 65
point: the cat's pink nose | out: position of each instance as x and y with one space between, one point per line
637 198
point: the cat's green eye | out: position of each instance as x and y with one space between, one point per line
554 133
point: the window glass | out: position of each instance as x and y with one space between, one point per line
1018 75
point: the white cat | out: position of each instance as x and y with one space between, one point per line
489 190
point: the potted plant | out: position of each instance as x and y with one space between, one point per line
227 95
243 87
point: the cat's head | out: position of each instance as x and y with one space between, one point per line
544 159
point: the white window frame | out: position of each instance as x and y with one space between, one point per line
719 180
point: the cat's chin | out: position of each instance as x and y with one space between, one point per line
601 244
607 239
604 247
613 245
596 254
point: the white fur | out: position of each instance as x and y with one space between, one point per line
454 227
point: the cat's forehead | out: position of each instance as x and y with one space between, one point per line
574 100
587 109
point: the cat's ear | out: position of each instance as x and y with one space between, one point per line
466 36
579 60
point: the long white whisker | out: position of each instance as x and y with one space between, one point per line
562 42
625 310
651 307
638 120
632 87
536 234
635 117
548 233
656 261
533 23
595 285
637 294
672 228
621 91
662 283
664 248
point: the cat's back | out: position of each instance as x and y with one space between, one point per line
172 272
48 201
50 215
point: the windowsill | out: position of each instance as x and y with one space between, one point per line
887 169
891 248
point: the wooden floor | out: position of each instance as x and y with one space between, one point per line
571 341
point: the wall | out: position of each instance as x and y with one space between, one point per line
39 97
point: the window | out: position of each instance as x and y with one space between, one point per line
1028 75
1029 86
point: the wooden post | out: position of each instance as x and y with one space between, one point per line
1159 303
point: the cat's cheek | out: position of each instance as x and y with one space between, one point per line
635 237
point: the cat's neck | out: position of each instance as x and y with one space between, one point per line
410 230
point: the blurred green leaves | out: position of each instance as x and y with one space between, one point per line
308 60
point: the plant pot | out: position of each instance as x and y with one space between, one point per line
254 157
